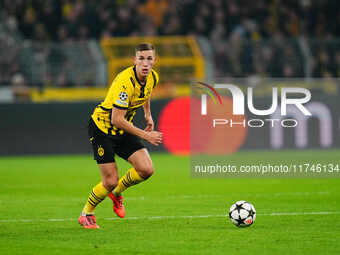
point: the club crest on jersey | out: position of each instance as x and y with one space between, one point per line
123 96
100 151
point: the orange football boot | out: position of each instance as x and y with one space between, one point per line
118 206
87 221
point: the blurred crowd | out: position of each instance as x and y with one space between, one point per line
82 19
261 37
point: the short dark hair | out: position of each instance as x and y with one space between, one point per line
144 46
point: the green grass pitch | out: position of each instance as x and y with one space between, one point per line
171 213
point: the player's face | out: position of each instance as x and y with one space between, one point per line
144 62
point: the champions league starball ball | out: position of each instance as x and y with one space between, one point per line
242 214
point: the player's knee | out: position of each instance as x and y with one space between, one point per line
145 172
110 183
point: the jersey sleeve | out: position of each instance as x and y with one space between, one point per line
120 92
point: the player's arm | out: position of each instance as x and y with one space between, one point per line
148 117
118 119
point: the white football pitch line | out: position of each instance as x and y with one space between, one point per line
277 194
169 217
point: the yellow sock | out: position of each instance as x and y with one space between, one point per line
97 195
129 179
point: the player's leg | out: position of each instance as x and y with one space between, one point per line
98 193
142 170
142 163
110 177
132 150
104 155
109 181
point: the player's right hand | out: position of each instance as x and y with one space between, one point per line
154 137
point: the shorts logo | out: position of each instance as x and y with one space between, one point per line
100 151
123 96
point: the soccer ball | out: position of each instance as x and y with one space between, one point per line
242 214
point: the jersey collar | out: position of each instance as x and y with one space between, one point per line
140 83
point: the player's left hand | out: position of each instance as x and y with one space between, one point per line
149 124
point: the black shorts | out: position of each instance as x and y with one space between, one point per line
105 147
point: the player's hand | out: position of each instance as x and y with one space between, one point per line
154 137
149 124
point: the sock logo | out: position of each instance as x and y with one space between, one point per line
100 151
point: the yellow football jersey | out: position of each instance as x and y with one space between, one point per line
126 92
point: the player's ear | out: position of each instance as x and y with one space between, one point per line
134 59
153 61
154 58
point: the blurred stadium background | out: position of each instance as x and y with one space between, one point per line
58 58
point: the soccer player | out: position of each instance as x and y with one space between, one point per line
111 132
